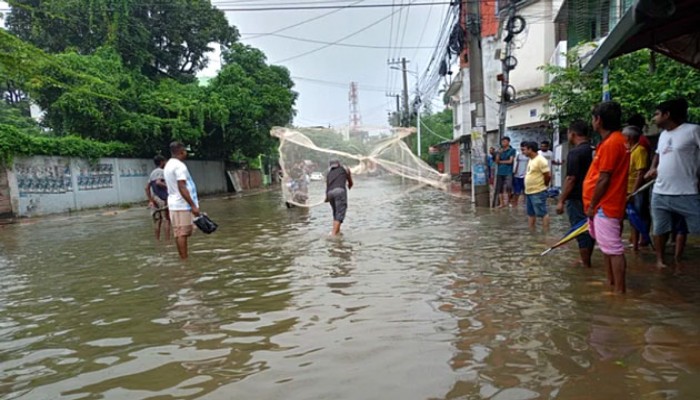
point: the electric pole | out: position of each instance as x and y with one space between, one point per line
508 63
480 187
405 115
405 92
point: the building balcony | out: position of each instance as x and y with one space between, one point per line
558 58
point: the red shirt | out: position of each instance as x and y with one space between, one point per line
611 156
644 142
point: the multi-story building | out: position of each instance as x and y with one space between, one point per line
552 27
534 47
457 94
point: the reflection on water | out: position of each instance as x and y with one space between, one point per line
421 297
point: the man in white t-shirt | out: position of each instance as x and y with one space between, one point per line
521 161
546 152
182 196
675 167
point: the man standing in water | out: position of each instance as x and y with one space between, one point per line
519 171
605 191
337 179
639 163
537 178
157 194
676 167
504 171
577 163
182 197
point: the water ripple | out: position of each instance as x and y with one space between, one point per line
421 298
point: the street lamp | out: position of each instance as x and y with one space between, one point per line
420 103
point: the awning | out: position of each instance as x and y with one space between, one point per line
669 27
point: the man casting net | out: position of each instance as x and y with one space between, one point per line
305 154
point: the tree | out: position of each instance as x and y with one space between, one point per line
160 38
12 116
254 97
638 81
435 129
97 96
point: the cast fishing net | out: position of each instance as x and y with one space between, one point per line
305 154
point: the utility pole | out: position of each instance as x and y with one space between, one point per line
398 110
419 110
418 122
405 92
507 64
480 187
405 115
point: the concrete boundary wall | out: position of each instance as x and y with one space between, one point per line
42 185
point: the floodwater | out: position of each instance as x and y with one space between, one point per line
421 298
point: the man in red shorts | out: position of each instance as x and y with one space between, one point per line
605 191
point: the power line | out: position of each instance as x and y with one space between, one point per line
389 53
422 33
433 132
306 21
394 42
362 46
302 8
340 85
403 35
339 40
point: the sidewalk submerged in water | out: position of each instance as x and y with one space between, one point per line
118 209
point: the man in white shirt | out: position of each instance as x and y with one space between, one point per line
675 167
182 196
546 153
521 161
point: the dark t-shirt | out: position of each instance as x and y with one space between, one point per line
577 164
506 169
337 178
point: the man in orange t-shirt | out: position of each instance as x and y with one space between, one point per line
605 191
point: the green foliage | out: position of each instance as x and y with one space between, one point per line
96 96
15 141
634 83
245 100
160 38
12 114
102 85
436 128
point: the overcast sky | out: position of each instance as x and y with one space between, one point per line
327 103
323 104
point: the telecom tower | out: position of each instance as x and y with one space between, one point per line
355 118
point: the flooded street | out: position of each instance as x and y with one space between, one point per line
421 298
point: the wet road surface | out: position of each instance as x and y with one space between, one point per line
421 298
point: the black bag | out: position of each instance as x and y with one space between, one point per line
205 224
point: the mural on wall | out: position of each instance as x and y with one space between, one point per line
134 171
50 178
536 135
98 176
